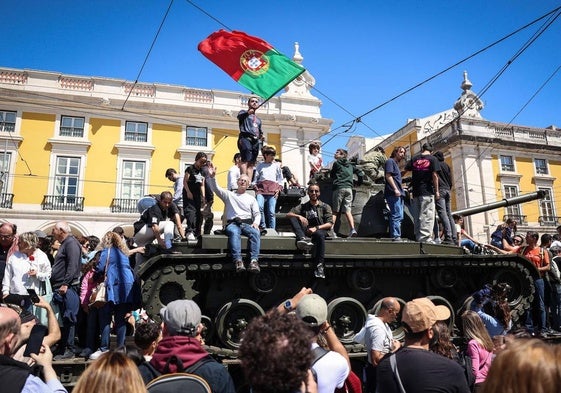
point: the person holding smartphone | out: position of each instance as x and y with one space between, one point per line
28 268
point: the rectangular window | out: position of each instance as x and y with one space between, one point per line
72 126
546 205
512 191
136 131
5 159
66 179
7 121
196 136
541 166
507 164
132 179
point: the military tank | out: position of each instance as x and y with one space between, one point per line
359 272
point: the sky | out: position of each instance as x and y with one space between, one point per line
361 53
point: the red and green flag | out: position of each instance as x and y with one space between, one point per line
250 61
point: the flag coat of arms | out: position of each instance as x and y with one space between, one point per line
250 61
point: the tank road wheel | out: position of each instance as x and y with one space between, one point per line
521 290
440 301
397 330
233 318
361 279
263 282
165 285
347 316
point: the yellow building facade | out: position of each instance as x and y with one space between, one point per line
491 161
85 149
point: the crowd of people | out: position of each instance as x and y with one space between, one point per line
292 348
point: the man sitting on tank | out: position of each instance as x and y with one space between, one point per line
242 218
310 222
158 223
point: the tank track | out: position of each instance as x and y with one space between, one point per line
355 282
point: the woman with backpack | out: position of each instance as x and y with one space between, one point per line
479 348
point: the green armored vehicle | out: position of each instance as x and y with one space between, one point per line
359 272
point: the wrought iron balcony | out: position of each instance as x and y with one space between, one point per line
520 219
121 205
6 200
549 220
63 202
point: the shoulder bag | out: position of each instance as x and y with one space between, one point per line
98 298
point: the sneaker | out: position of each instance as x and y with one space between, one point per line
240 267
67 355
353 233
319 272
191 237
254 266
332 234
97 354
86 352
304 244
397 239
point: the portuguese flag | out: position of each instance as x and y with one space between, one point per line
250 61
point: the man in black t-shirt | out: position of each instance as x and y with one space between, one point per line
424 168
160 219
419 369
194 195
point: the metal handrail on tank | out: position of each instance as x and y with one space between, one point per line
532 196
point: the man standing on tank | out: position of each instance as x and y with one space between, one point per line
393 191
194 195
443 204
250 137
424 168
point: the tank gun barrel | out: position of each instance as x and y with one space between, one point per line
504 202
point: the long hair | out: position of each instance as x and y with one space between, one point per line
474 329
443 345
112 239
525 366
112 372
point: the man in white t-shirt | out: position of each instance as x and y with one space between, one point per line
377 337
333 367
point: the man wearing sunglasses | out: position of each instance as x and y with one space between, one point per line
310 222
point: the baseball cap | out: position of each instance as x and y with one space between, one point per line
312 309
427 146
181 317
420 314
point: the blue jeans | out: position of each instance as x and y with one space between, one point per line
467 243
396 215
538 307
235 232
555 306
105 313
267 206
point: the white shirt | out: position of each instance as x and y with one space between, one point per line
378 336
243 205
16 278
332 370
233 176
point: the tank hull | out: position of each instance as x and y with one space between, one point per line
360 271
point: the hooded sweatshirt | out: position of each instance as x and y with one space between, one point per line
342 174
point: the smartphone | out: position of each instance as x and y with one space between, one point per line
35 341
33 296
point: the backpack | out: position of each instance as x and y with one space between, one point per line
178 382
151 374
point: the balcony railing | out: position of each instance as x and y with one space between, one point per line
63 202
520 219
120 205
549 220
6 200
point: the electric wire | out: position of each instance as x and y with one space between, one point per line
148 54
